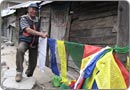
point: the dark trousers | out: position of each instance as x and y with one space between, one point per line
22 48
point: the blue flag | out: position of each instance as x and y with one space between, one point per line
54 68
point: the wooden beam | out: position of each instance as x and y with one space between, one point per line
123 28
68 26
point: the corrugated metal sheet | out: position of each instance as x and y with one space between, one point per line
46 2
23 5
6 12
12 9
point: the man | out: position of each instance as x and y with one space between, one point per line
28 40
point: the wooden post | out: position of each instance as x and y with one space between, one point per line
68 27
123 28
49 33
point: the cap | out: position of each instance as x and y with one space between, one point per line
33 5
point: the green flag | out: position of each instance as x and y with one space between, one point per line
76 51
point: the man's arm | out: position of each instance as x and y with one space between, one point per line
26 27
33 32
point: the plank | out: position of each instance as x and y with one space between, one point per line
98 7
94 23
93 5
86 11
91 32
59 21
100 40
89 16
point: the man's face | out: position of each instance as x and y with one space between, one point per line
32 11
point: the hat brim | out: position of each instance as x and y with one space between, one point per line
32 7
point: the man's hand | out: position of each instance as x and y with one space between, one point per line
33 32
43 35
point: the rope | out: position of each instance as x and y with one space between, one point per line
118 49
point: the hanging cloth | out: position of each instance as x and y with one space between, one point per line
54 68
123 70
85 83
91 60
90 81
109 75
106 74
79 86
85 62
62 56
94 87
127 63
89 50
76 51
89 69
42 47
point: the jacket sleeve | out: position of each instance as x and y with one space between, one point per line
24 23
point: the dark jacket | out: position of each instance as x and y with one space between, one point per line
25 21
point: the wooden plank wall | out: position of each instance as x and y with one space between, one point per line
60 22
45 18
93 22
59 16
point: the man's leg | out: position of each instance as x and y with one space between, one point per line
22 48
33 52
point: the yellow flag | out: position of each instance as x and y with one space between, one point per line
109 76
127 63
84 62
62 56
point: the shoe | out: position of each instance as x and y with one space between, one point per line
28 73
18 77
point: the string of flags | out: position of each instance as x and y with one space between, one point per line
99 67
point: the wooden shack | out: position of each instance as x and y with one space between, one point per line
86 22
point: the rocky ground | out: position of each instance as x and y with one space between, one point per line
40 80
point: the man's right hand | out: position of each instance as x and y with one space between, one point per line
33 32
43 35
